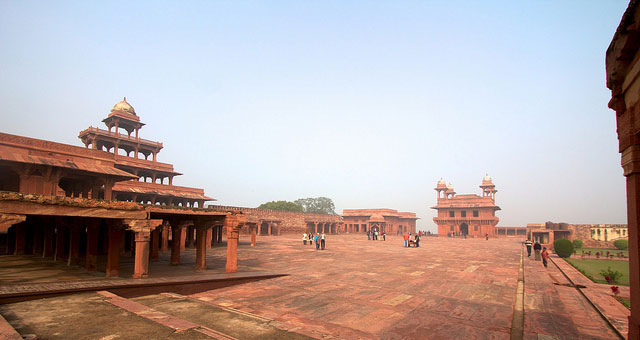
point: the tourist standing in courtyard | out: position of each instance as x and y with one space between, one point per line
417 241
536 248
316 239
545 256
406 239
322 241
384 236
304 239
369 235
528 244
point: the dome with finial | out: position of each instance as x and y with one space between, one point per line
123 106
441 184
450 187
486 180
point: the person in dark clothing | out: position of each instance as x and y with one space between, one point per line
536 248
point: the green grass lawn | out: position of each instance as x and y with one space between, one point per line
613 251
592 268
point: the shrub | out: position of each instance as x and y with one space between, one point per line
564 248
577 244
621 244
612 276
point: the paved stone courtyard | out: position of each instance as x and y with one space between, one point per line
360 289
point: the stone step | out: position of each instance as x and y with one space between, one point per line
228 321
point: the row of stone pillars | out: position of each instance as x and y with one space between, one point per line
64 239
325 227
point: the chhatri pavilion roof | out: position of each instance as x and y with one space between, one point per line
124 106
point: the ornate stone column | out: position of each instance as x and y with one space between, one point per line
142 230
233 223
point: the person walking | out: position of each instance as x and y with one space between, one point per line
417 241
375 235
384 236
487 236
317 240
536 248
322 241
545 256
406 239
528 244
304 239
369 235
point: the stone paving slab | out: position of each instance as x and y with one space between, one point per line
360 289
557 311
600 296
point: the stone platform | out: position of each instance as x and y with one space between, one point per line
360 289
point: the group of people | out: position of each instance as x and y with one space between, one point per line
373 235
407 239
540 252
318 239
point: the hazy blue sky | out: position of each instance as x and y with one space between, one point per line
366 102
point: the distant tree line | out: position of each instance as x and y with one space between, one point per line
318 205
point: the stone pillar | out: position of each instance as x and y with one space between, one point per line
631 166
113 253
37 238
154 244
21 239
141 265
176 243
315 227
183 236
233 224
278 225
91 263
208 238
74 245
219 234
269 229
189 232
60 241
201 247
253 236
165 238
49 249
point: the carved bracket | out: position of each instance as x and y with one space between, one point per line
7 220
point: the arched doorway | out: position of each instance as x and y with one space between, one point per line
464 229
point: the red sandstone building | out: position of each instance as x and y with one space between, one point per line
59 201
470 214
382 220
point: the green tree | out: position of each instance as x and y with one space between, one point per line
281 205
318 205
